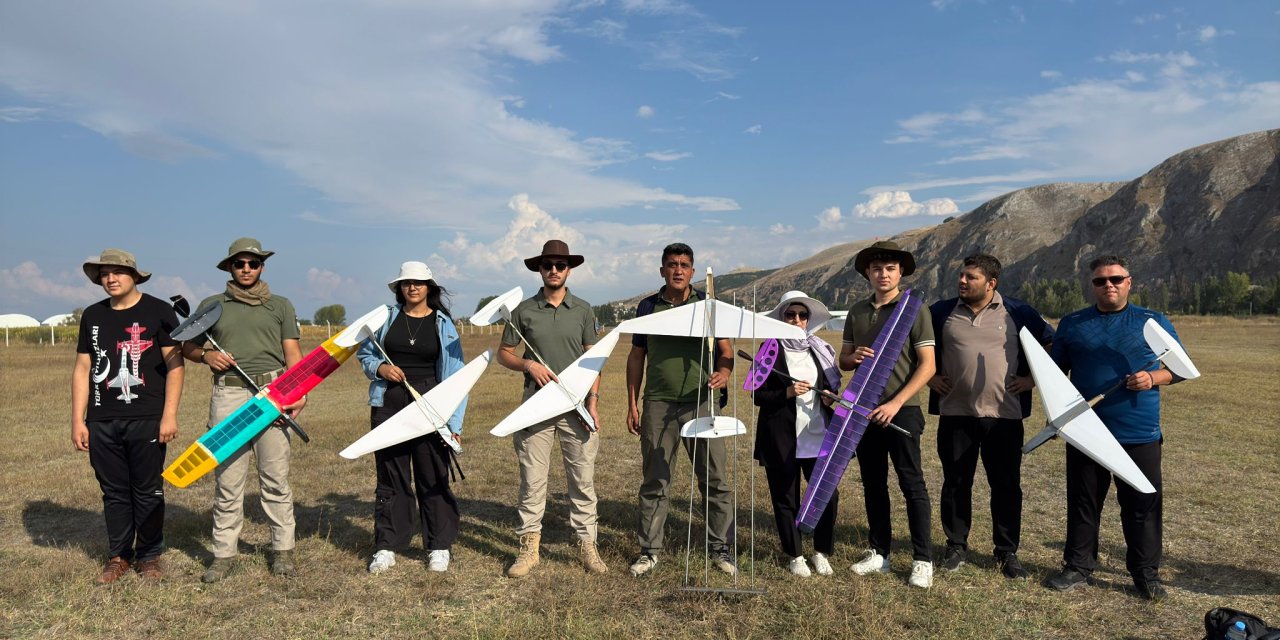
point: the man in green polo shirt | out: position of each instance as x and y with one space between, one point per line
884 264
259 331
676 371
559 327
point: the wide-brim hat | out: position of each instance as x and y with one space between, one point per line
554 249
819 314
862 261
115 258
244 245
411 270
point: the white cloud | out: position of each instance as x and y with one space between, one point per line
20 114
323 284
754 129
1152 17
727 96
26 282
1209 33
645 111
1050 74
668 156
412 126
830 219
898 204
779 229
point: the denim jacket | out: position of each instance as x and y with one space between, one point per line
449 363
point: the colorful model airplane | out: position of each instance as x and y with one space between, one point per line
711 320
428 413
558 398
500 308
861 396
233 433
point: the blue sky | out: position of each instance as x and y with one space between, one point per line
352 136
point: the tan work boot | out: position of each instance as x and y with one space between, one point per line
590 557
528 557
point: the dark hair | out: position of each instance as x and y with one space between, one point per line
1108 260
436 297
987 264
884 256
677 249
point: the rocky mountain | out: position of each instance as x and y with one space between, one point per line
1205 211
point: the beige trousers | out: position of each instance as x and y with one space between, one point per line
271 450
578 448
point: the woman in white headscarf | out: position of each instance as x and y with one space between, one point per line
792 423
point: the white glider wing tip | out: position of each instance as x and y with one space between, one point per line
362 327
494 310
554 399
1088 435
1170 352
717 427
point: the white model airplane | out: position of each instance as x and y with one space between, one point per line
711 319
552 399
428 412
1071 417
500 308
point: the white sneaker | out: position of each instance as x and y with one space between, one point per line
798 567
822 565
438 560
872 562
921 574
644 564
382 560
725 563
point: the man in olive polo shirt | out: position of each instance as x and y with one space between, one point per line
675 371
559 327
884 264
259 331
982 391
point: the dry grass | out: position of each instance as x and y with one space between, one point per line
1221 547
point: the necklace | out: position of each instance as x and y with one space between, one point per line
413 333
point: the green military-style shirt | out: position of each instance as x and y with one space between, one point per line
253 333
560 333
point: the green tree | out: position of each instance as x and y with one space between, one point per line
1235 292
483 301
331 314
74 319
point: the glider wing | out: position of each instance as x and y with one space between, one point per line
551 401
727 321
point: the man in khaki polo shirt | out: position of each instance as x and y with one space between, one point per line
259 330
982 390
560 327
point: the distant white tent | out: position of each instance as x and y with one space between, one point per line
57 320
836 323
17 321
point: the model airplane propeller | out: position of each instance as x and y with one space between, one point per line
860 397
500 308
198 325
1166 349
429 412
229 436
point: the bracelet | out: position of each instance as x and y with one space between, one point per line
592 394
203 351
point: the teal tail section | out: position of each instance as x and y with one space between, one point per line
224 440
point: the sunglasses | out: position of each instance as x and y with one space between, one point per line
791 315
548 265
1116 280
252 264
411 284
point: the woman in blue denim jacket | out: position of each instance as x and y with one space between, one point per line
420 338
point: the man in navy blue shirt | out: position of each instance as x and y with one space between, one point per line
1099 346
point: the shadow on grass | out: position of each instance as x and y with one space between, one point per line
50 524
1206 578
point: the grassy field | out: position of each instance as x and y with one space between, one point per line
1221 461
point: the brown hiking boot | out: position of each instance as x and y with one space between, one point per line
528 557
114 570
150 569
218 569
282 564
590 557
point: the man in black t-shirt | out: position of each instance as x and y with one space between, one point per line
125 389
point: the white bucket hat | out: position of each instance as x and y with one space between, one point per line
819 315
412 270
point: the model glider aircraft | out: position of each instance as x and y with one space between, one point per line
550 401
500 308
861 396
429 412
197 327
711 320
230 435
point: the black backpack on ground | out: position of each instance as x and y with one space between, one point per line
1220 624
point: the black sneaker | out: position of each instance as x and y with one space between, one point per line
1151 590
1012 568
954 558
1066 580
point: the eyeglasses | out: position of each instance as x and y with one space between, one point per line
1116 280
252 264
548 265
791 315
